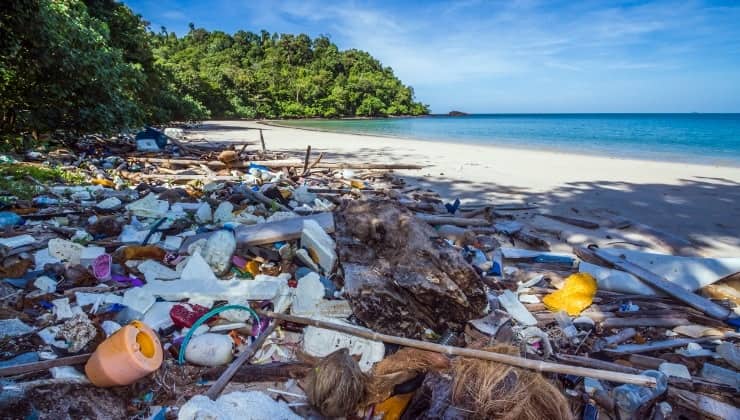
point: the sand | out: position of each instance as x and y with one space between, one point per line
674 207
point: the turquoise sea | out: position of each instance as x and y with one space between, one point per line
700 138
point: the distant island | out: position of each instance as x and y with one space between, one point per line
457 113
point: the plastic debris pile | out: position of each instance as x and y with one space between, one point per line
226 282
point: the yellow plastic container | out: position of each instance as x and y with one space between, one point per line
126 356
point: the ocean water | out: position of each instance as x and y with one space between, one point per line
699 138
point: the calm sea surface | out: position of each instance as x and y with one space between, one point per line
701 138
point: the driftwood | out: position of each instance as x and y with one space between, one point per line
695 301
595 363
279 163
704 405
573 221
668 322
43 365
652 346
537 365
397 279
271 372
451 220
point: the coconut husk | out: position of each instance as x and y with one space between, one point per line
400 367
336 386
491 390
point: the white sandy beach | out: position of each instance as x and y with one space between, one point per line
694 206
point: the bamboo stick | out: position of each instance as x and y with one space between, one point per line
536 365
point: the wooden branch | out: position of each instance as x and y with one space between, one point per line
660 283
43 365
451 220
280 163
536 365
308 157
215 390
262 140
573 221
669 322
595 363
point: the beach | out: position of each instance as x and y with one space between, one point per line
679 208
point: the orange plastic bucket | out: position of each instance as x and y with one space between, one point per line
126 356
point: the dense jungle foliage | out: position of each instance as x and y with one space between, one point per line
94 66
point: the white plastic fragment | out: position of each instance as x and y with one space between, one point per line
158 316
62 310
172 242
210 349
66 372
675 369
17 241
13 327
110 327
251 405
308 295
45 284
153 270
89 253
111 203
149 206
223 212
303 256
65 250
42 257
203 214
320 342
515 308
526 298
303 196
314 238
138 299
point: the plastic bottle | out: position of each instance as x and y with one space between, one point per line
566 325
631 397
126 356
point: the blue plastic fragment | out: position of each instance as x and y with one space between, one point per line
553 259
452 208
734 322
256 166
22 358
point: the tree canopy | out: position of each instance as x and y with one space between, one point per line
94 65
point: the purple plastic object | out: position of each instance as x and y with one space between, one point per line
125 279
101 267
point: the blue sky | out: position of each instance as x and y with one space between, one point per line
514 56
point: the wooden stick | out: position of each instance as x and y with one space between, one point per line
451 220
652 346
262 140
308 157
668 322
190 177
43 365
595 363
573 221
215 390
536 365
280 163
660 283
269 202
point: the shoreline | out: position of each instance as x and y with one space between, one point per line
696 204
597 154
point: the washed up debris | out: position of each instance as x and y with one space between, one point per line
158 269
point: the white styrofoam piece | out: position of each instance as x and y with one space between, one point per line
320 342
